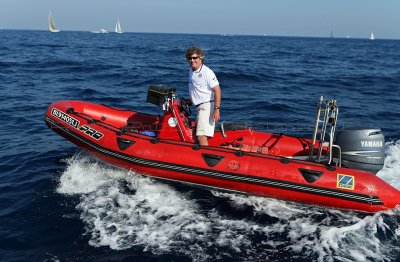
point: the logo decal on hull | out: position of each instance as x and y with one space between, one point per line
91 132
172 122
233 165
345 182
65 118
75 123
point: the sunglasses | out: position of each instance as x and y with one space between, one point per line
193 57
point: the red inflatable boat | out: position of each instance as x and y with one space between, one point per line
323 170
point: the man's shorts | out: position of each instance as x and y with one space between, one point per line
205 122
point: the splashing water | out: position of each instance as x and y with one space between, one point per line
391 168
123 210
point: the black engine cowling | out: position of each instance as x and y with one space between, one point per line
361 148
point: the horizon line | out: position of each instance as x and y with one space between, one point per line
216 34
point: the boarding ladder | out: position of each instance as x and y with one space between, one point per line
324 131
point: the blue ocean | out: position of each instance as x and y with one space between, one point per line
58 203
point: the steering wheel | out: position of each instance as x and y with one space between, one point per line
184 107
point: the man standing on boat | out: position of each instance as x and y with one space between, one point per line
205 93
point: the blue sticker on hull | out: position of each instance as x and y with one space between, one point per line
345 182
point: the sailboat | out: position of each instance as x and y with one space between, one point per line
52 25
372 37
101 31
118 27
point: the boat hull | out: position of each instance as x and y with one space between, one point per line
102 131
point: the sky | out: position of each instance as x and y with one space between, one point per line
313 18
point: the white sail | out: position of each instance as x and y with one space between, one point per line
52 25
118 27
372 37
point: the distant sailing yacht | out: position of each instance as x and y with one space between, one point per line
372 37
52 25
118 27
101 31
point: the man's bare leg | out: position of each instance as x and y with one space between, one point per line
203 140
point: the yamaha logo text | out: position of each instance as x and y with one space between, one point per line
371 143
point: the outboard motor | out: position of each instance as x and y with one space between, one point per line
361 148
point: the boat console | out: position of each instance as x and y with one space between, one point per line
175 123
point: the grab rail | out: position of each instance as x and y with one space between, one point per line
325 124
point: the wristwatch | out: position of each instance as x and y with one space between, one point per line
217 107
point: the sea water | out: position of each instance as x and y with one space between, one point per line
58 203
